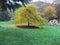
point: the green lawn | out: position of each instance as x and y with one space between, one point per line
49 35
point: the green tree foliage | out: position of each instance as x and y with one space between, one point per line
50 12
4 6
4 16
29 14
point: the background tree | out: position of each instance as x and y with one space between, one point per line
58 10
3 11
32 15
7 7
50 12
11 3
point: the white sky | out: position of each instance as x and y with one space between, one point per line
48 1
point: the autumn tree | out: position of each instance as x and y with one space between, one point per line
29 14
50 12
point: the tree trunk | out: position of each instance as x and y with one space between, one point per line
28 23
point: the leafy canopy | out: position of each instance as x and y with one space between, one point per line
50 12
29 13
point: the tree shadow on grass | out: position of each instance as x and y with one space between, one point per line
28 27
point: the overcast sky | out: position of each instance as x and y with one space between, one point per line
48 1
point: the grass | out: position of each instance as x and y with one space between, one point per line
49 35
7 24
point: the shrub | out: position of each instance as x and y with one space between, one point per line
4 16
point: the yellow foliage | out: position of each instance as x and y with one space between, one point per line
29 12
50 12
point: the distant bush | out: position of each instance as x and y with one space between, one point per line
4 16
